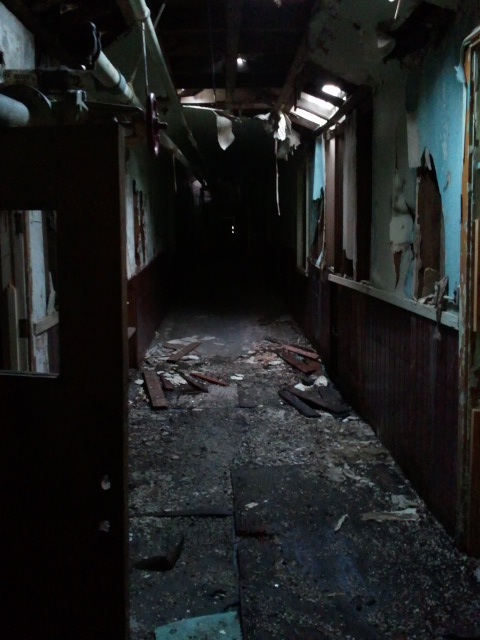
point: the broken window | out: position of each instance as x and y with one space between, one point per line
29 319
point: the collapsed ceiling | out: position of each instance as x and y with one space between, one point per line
241 57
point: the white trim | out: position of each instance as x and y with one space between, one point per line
449 318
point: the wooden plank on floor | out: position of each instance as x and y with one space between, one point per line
330 402
166 384
301 406
307 353
207 378
181 353
304 367
196 384
155 391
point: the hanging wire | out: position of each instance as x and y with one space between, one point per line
144 47
212 59
397 9
157 19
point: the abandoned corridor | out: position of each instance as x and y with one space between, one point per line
273 524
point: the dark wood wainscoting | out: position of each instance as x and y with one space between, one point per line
148 297
401 380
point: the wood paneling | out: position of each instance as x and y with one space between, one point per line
148 296
402 381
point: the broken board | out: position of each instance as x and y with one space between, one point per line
306 353
301 365
181 353
207 378
324 399
155 391
301 406
196 384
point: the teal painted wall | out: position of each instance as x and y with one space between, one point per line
436 99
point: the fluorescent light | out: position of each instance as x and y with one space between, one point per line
322 105
332 90
307 115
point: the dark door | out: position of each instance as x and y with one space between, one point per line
63 436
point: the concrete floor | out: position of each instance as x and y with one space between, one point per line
305 526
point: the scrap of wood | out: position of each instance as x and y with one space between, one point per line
155 391
300 406
331 404
307 353
272 339
410 515
195 383
45 323
304 367
178 355
166 384
207 378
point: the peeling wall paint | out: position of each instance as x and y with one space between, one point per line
437 121
318 184
390 166
16 42
147 205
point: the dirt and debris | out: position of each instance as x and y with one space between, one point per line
328 519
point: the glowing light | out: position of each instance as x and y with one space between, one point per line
332 90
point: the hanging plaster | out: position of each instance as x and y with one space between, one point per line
393 187
224 132
401 233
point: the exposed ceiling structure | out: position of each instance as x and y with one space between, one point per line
306 58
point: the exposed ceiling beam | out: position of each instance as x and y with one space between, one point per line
348 106
234 19
287 94
187 80
335 100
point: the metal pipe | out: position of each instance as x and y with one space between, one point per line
13 113
142 14
112 79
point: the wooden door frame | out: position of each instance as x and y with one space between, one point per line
468 513
63 438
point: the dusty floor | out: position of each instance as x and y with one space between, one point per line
304 525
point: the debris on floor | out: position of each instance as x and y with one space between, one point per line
304 525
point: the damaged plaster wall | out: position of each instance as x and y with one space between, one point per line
16 42
436 122
393 180
148 207
418 110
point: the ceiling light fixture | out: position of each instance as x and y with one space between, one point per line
332 90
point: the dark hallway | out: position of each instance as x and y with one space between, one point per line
239 307
258 522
